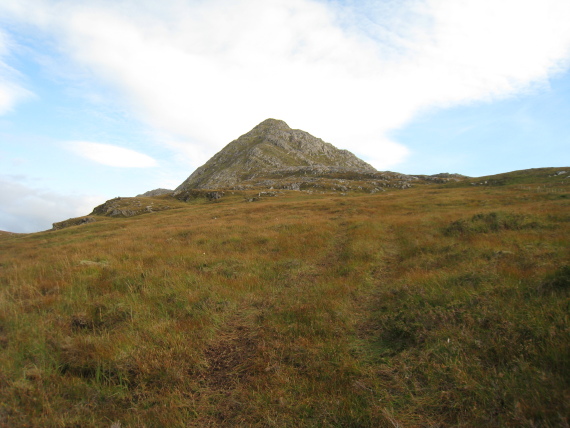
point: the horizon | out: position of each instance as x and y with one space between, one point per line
115 99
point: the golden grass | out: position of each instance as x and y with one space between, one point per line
405 308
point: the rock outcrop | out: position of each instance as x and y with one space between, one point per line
128 207
272 149
77 221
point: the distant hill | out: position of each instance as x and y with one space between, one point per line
7 235
155 192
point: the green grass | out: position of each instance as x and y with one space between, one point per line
425 307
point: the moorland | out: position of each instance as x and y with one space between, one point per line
438 305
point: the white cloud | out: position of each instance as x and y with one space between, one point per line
27 209
11 92
111 155
385 153
480 50
202 73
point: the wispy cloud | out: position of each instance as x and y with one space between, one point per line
110 155
11 91
27 208
350 72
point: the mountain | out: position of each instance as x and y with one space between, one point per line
272 148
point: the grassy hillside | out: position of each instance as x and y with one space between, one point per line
539 178
430 306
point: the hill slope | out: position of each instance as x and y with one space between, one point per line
430 306
268 148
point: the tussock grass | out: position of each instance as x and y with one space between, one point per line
491 222
395 309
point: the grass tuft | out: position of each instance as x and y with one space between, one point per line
491 222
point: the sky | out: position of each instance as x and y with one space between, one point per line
106 98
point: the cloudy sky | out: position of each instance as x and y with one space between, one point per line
106 98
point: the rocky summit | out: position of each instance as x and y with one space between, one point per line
272 149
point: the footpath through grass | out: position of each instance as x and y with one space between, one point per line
423 307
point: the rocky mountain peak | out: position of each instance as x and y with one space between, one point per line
271 124
271 147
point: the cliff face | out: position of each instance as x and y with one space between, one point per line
270 149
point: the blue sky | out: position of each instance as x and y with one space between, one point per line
529 130
112 98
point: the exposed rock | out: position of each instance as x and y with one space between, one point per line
192 194
272 149
129 207
72 222
267 194
213 196
274 156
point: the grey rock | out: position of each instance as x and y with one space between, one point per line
128 207
72 222
273 149
213 196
